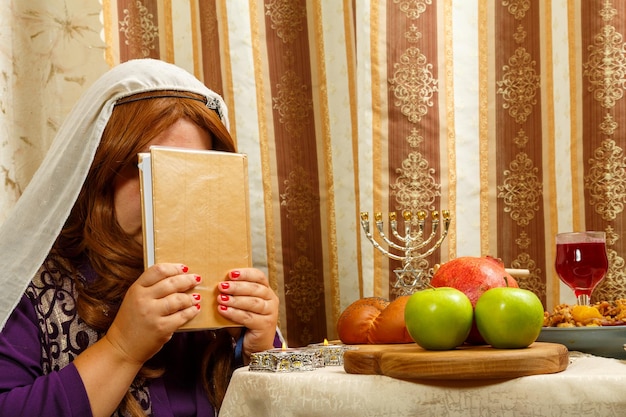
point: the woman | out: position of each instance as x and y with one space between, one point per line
94 333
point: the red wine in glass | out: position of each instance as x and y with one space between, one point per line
581 262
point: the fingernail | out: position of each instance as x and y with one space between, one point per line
224 297
225 285
184 268
196 297
235 274
224 308
198 278
198 306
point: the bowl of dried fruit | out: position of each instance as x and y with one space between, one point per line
599 329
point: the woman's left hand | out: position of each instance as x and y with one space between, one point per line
246 298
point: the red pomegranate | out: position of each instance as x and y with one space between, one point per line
473 276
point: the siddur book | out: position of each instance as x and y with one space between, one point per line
196 212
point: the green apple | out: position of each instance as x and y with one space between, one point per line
509 318
438 318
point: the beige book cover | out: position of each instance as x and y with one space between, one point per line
196 212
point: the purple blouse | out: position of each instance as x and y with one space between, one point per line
32 385
26 391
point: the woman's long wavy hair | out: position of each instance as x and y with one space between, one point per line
92 232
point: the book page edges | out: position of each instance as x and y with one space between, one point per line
145 187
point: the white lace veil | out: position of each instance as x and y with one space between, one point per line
28 233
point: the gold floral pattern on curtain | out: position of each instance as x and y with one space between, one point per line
415 136
297 180
516 81
602 66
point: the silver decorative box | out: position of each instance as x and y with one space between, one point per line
284 360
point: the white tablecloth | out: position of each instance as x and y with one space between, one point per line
590 386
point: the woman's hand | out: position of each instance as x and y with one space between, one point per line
246 298
154 306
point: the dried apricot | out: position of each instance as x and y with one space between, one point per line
586 315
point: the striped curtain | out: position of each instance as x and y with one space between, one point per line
598 124
507 113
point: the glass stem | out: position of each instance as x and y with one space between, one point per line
583 300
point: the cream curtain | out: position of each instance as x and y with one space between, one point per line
508 113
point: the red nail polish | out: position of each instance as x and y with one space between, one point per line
198 306
225 285
196 297
198 278
185 269
223 308
224 297
235 274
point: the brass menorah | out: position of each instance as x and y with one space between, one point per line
414 245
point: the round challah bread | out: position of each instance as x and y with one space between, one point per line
374 320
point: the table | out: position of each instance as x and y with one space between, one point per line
590 386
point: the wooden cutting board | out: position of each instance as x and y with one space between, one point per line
411 362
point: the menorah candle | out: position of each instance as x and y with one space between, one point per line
283 360
332 353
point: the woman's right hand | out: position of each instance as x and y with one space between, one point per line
154 306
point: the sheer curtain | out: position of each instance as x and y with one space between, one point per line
508 113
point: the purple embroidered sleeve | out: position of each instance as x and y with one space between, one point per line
24 390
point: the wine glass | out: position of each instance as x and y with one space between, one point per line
581 262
